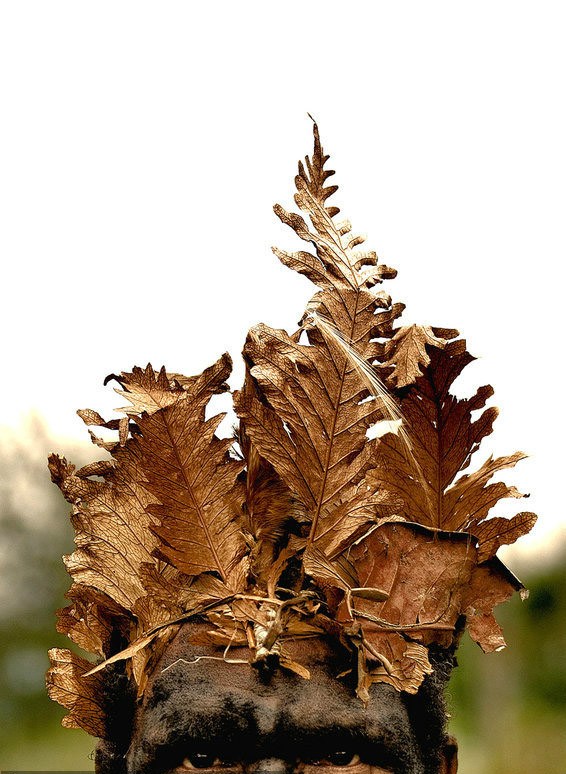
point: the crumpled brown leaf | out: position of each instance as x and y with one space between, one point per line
424 573
112 526
490 585
83 696
407 662
432 578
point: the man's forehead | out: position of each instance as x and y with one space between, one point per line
216 681
197 697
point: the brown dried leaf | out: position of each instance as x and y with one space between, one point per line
83 696
144 661
407 354
192 479
443 440
91 619
121 583
314 431
497 532
307 412
112 527
425 574
339 573
407 662
146 390
470 499
128 652
92 417
269 505
293 666
490 585
176 593
432 579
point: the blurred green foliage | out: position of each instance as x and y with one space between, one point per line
36 532
508 709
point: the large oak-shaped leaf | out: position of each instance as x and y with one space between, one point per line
312 429
124 595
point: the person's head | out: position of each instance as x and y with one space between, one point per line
342 522
202 711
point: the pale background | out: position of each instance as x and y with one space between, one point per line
142 145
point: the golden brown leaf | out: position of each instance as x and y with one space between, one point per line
470 498
112 527
183 472
122 586
311 415
269 506
190 474
407 354
424 572
293 666
128 652
339 573
497 532
444 437
490 585
171 593
91 619
407 662
148 391
314 431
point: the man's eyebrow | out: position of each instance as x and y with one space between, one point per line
226 729
387 747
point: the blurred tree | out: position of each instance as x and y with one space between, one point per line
35 531
509 708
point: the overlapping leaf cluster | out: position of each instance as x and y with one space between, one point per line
308 412
315 527
148 522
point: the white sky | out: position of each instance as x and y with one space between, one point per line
142 146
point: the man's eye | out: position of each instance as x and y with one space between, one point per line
338 758
200 760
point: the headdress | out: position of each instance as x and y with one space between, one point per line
341 507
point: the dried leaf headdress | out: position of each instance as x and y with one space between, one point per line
317 524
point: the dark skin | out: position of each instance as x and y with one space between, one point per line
212 717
